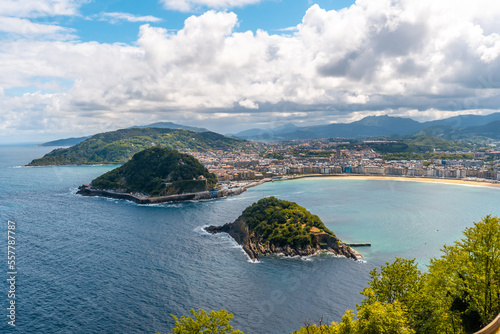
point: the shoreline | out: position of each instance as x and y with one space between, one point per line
464 182
87 190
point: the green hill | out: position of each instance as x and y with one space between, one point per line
119 146
422 148
282 223
423 144
158 171
274 226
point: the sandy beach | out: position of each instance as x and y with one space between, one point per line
464 182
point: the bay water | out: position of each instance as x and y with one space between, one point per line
97 265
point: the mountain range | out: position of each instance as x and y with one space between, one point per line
376 126
452 128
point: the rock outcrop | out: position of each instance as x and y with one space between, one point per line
254 245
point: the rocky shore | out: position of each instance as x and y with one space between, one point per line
254 247
87 190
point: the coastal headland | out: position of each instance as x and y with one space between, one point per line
158 175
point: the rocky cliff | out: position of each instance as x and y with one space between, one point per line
254 244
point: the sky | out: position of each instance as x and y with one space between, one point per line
78 67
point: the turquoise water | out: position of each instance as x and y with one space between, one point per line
95 265
400 218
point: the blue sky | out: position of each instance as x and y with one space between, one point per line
272 16
79 67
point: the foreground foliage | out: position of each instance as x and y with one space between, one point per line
158 171
460 293
203 322
283 223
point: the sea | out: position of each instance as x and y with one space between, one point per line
98 265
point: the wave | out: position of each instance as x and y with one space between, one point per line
159 205
225 239
232 198
201 230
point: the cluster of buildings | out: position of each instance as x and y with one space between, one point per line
239 166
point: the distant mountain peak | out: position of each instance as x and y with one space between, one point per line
285 128
170 125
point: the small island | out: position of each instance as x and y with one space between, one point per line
157 175
274 226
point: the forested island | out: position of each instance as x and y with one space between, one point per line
153 172
274 226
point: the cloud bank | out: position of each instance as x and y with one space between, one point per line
425 59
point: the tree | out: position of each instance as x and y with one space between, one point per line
347 326
471 271
204 322
373 318
397 281
383 318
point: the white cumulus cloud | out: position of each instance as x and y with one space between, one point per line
424 59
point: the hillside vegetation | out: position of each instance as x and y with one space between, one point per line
419 145
158 171
119 146
282 223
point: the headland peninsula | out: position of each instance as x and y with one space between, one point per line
158 175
